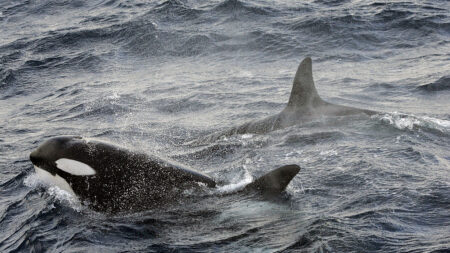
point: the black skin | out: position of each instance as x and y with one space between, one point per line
123 180
131 181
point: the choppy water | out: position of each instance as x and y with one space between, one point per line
154 76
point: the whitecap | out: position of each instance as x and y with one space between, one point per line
33 181
234 187
410 122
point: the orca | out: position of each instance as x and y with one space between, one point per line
112 179
304 105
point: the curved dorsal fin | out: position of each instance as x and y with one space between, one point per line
304 92
275 181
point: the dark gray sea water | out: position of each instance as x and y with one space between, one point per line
155 75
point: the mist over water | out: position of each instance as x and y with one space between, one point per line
156 76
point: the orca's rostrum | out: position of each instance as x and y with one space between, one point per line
110 178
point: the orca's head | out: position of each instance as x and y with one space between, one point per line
58 154
50 151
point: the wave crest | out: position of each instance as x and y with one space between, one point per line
411 122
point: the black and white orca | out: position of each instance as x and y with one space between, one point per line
304 105
110 178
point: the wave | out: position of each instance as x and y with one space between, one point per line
236 6
313 138
181 105
175 10
412 122
97 111
13 183
141 35
329 24
8 75
7 78
84 61
63 39
34 181
10 57
235 187
417 22
372 28
409 16
441 84
26 215
194 45
271 42
388 15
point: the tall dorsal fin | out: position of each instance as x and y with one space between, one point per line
304 92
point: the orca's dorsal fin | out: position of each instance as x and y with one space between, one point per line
275 181
304 93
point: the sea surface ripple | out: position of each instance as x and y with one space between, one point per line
156 75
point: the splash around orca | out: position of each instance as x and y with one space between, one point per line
112 179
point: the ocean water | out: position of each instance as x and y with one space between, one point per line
154 76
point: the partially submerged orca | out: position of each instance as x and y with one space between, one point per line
112 179
304 105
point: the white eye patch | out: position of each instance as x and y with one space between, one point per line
74 167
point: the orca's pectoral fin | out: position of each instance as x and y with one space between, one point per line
275 181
